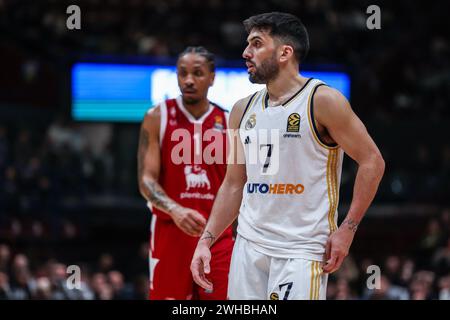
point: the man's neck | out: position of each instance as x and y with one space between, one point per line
198 109
284 87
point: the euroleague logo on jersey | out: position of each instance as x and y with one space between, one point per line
293 126
293 123
275 188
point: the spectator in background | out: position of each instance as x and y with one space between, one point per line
331 288
105 263
387 291
43 289
5 290
344 291
392 269
120 290
5 257
441 259
444 288
421 286
101 288
141 285
22 282
407 272
431 240
57 281
349 270
85 292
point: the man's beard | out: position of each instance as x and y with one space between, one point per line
267 71
190 101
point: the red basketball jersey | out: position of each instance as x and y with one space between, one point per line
193 155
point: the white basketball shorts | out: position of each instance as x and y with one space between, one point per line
256 276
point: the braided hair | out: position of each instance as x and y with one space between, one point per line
203 52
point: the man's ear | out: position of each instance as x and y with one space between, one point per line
286 53
213 76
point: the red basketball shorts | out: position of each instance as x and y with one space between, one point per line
171 252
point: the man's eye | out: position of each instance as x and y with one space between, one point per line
198 73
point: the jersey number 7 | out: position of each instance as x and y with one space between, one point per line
269 154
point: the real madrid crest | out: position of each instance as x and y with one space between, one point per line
251 122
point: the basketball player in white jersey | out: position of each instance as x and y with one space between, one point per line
288 240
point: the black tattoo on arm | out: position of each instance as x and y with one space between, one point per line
352 225
156 195
209 236
151 190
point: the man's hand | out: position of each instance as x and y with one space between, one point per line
338 245
188 220
200 264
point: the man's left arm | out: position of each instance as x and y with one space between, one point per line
332 111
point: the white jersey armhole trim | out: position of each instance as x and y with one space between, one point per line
163 121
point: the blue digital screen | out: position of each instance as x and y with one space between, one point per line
123 93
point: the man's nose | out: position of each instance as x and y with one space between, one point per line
189 80
246 54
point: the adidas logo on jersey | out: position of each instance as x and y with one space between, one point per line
275 188
247 140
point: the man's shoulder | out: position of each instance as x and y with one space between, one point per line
155 110
331 107
153 113
152 118
244 103
327 95
239 109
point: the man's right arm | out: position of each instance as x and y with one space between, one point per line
228 200
149 166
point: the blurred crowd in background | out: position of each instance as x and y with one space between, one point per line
28 276
38 273
421 273
52 167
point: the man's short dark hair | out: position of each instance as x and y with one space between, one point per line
284 26
201 51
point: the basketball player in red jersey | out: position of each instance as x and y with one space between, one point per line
179 186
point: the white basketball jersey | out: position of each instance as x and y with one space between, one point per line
290 200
